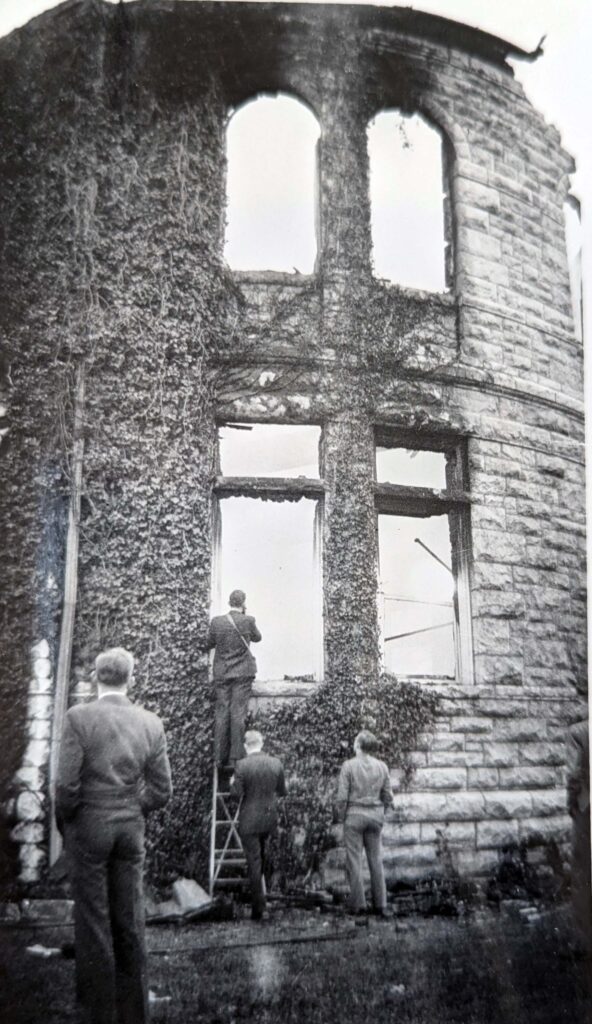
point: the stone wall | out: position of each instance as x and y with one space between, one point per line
493 363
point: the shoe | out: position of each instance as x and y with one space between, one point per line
384 912
358 913
261 917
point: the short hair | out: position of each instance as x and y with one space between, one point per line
237 599
253 738
367 741
114 667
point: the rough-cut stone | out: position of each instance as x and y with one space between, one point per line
496 833
29 806
440 778
27 832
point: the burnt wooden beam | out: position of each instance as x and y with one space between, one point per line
269 488
417 501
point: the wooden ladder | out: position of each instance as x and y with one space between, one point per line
227 858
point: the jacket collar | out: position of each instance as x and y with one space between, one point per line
115 698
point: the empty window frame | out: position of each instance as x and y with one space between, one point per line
573 243
410 209
272 186
424 554
268 529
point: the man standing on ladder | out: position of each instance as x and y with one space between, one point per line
234 671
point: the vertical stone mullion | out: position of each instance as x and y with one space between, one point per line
350 548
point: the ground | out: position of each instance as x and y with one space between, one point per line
487 967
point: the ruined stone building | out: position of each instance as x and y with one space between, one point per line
416 450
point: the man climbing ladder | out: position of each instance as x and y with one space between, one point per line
234 671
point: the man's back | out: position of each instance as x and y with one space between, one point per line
258 780
113 754
231 635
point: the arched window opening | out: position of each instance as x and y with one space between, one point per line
573 242
271 186
409 202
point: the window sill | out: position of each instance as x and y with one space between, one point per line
281 277
281 688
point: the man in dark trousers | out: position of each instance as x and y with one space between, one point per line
578 805
258 781
234 672
113 770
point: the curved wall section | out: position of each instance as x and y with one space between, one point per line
113 207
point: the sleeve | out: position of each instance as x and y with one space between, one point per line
342 794
69 773
211 638
386 792
281 783
156 789
255 635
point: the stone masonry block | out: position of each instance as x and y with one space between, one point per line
548 801
40 707
394 834
440 778
555 827
472 725
454 759
542 753
39 728
458 832
451 806
520 730
496 833
30 806
528 777
36 753
500 754
507 804
453 741
483 778
27 832
30 776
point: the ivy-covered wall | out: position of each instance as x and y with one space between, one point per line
112 199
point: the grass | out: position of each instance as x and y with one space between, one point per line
489 968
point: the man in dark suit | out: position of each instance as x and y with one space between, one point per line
234 672
258 781
113 770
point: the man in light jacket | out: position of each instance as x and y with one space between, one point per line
113 770
363 794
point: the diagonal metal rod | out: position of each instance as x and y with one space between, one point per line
414 632
432 553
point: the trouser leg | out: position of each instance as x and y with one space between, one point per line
373 847
581 883
95 978
241 691
353 842
222 722
254 847
126 903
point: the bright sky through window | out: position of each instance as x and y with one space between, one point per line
271 152
406 196
269 449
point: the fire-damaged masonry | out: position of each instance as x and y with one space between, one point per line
130 346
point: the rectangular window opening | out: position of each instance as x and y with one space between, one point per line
269 450
269 549
424 555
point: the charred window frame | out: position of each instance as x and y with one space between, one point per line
275 489
454 501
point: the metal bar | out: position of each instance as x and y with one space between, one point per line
430 552
414 632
